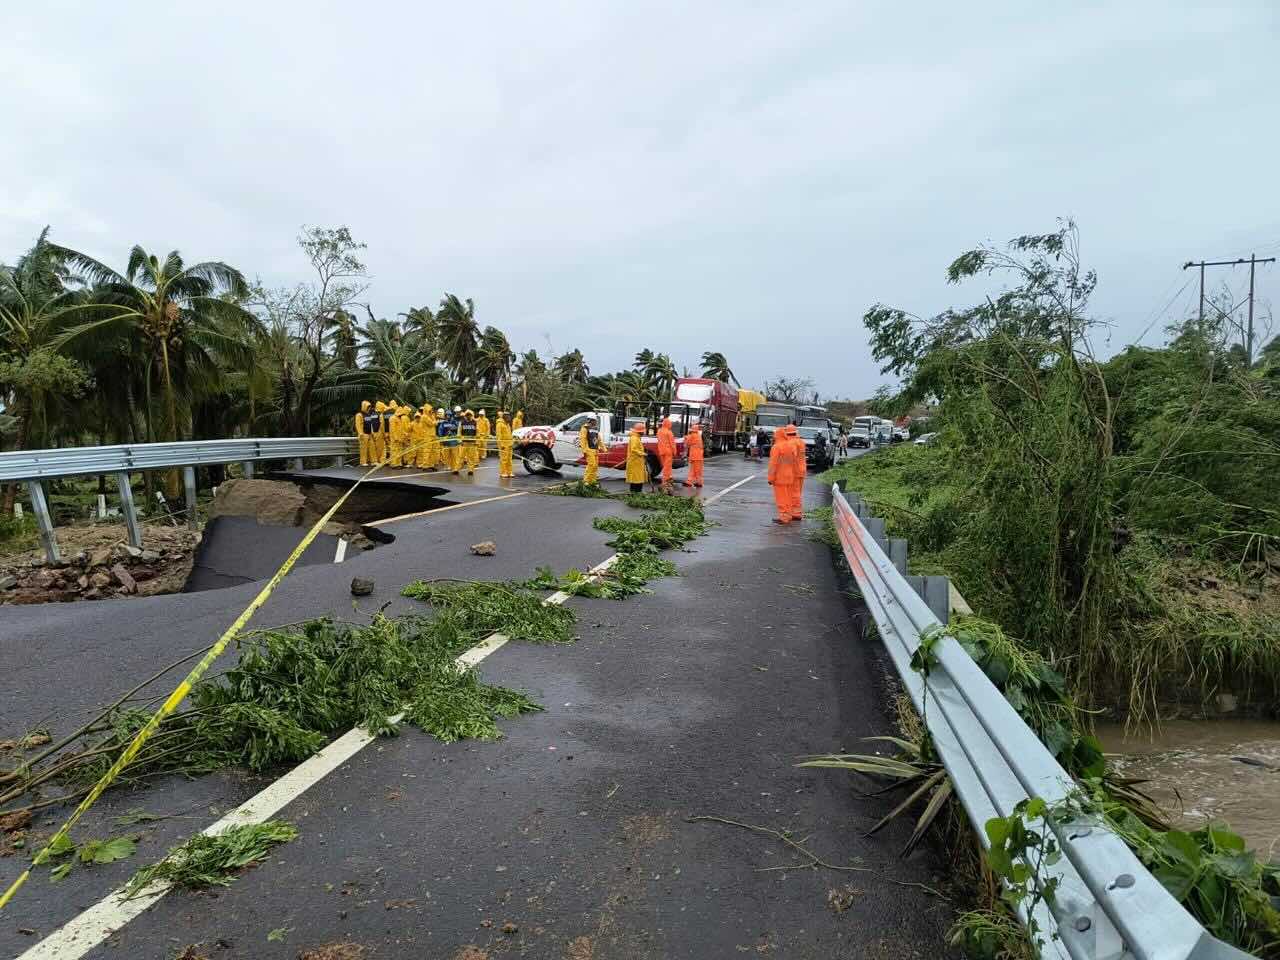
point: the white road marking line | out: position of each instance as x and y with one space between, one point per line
341 553
94 925
729 489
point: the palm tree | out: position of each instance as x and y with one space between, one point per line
458 335
176 314
422 321
344 339
572 367
36 374
661 372
493 361
643 359
716 367
400 367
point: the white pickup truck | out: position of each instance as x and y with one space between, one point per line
546 449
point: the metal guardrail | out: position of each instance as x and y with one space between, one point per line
35 466
1107 906
78 461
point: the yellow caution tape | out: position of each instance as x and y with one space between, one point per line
180 693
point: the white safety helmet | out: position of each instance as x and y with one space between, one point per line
482 411
440 411
457 409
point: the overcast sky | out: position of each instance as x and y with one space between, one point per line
680 176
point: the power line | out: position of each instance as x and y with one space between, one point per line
1253 262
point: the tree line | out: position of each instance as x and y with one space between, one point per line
162 349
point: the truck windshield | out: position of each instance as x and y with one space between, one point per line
772 420
694 392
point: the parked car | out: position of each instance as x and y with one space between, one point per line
859 437
900 434
925 439
818 451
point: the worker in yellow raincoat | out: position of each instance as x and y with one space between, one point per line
637 468
364 420
418 452
435 454
380 432
589 441
447 431
400 431
518 421
467 438
482 434
505 444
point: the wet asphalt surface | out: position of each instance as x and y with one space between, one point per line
570 838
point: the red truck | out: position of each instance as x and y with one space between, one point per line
715 405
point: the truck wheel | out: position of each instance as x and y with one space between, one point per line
538 460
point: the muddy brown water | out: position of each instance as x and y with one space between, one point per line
1201 770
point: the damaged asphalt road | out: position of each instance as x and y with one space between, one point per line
571 837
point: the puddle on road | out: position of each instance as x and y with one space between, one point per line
1196 760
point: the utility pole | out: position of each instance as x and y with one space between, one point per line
1253 262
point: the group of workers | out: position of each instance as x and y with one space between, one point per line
637 460
399 436
787 472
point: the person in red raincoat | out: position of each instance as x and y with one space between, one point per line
666 450
693 450
782 474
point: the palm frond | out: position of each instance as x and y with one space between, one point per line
92 271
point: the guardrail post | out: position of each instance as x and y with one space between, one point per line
875 527
246 467
898 554
937 595
44 520
297 464
189 487
126 507
339 462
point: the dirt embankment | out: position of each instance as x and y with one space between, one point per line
98 563
289 504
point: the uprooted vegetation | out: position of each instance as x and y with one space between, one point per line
1117 520
1120 517
291 691
213 861
295 687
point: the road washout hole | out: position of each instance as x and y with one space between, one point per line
254 524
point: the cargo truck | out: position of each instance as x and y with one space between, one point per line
714 404
771 416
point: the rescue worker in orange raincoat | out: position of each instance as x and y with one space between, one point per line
637 465
589 441
693 450
801 470
666 451
502 431
364 423
782 474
